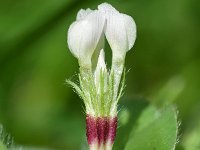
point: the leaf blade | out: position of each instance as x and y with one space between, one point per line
159 132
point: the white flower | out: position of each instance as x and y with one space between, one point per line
84 35
99 86
86 42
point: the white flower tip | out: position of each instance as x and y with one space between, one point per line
107 8
82 13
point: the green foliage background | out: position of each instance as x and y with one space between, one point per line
39 110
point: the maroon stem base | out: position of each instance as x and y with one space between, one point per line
100 130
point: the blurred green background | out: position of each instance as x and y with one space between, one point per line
38 109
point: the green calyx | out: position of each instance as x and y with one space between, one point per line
99 98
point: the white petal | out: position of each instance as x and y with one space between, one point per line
120 30
83 13
84 35
116 34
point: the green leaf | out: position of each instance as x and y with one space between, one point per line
130 111
156 130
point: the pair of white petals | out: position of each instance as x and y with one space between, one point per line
86 34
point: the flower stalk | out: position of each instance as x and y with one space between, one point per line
99 87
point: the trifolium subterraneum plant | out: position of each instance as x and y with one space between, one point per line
101 87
